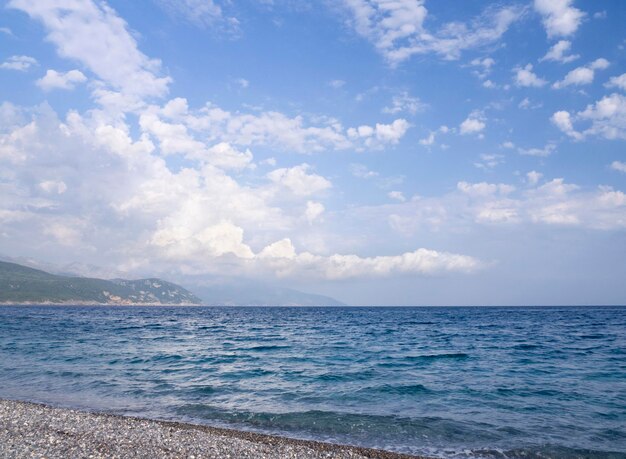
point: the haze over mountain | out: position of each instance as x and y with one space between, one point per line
24 284
21 284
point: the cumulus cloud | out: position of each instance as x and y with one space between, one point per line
607 117
19 63
270 128
547 150
489 161
299 181
617 82
559 53
483 66
133 211
554 203
285 259
533 177
473 124
397 195
582 75
525 77
432 135
202 13
313 211
619 166
484 188
361 171
559 17
403 102
380 134
563 120
94 35
398 31
59 80
53 186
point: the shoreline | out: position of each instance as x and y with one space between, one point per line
30 429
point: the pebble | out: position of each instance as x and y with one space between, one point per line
34 431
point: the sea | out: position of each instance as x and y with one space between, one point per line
457 382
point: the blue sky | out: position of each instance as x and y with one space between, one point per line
383 152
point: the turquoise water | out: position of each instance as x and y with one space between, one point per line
451 382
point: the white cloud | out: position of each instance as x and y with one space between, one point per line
19 63
430 140
489 161
543 152
473 124
313 211
285 259
217 240
582 75
361 171
525 77
483 66
6 31
59 80
526 104
553 203
380 134
533 177
619 166
617 82
275 129
144 216
202 13
336 84
560 18
242 82
563 120
299 181
484 188
53 186
608 117
397 195
559 53
226 156
269 162
403 102
94 35
397 29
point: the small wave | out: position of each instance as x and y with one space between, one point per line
265 348
526 347
427 357
409 389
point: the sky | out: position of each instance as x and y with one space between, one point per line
383 152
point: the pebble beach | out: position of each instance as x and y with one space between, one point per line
30 430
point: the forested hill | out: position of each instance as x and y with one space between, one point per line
21 284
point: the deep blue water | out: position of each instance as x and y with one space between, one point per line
452 382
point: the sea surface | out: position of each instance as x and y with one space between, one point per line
448 382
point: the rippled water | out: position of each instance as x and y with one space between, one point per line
452 382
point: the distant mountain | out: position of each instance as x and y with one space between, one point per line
21 284
250 293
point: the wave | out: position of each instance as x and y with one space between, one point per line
444 356
439 437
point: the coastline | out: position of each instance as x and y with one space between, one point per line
92 303
36 430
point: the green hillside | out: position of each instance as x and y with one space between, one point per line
21 284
